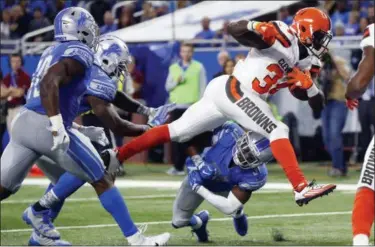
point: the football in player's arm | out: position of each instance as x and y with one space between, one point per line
262 35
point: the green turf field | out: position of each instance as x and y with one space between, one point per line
325 221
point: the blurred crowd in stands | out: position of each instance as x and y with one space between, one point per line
22 16
348 18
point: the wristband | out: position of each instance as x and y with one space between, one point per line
56 122
312 91
251 25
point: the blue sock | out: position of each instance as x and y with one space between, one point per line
67 185
112 201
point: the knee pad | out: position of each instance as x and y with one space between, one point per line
280 132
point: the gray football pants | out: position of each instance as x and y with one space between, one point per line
30 139
185 204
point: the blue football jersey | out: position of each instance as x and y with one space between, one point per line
220 154
70 95
101 86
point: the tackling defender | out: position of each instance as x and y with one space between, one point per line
364 204
58 85
112 58
278 53
225 175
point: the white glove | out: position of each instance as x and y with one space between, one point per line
95 134
60 137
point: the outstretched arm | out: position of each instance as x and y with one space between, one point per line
227 205
245 36
360 80
126 103
110 118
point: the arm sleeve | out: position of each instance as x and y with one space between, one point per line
80 53
170 84
202 81
227 205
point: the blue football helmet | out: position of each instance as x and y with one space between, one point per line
76 23
252 150
113 56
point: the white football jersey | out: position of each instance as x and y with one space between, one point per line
262 71
368 40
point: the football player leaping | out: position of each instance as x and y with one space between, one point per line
225 175
277 52
363 212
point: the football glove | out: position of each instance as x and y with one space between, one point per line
265 29
297 78
95 134
351 103
207 171
60 137
159 116
195 180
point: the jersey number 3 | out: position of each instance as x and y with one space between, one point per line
263 86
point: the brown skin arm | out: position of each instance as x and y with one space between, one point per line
59 74
242 196
110 118
239 31
317 102
358 83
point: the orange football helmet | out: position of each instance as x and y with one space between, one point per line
313 29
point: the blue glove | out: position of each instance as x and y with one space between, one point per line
195 180
159 116
207 171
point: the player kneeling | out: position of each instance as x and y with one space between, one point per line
225 175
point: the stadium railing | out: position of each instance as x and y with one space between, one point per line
30 47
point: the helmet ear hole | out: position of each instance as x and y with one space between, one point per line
85 33
105 61
303 29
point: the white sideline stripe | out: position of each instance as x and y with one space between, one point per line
129 183
269 216
124 197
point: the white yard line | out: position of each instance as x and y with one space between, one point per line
90 199
269 216
129 183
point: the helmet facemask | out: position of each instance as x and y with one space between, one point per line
320 41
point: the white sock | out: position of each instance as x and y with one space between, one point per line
361 239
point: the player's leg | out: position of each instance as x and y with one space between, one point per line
184 206
363 211
83 161
17 158
16 162
253 113
198 118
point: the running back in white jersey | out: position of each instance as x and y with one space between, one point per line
262 71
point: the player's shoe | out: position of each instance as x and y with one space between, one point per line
37 239
312 191
139 239
201 232
174 172
41 222
240 224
